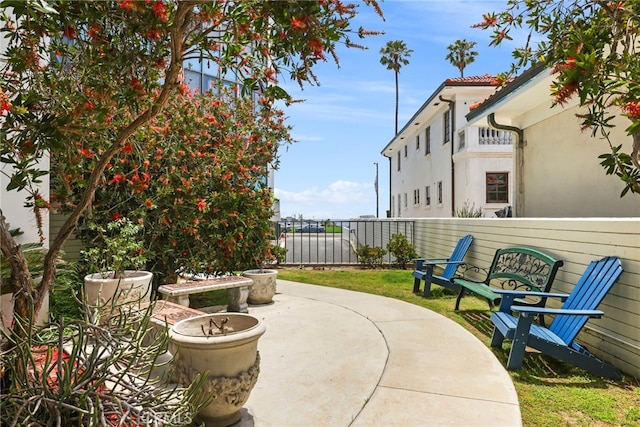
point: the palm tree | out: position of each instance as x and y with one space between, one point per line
394 56
460 54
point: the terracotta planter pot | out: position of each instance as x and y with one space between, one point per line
264 285
231 360
102 290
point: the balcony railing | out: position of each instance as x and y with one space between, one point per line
488 136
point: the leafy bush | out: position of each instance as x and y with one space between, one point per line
65 297
403 250
279 253
469 211
115 248
197 181
370 256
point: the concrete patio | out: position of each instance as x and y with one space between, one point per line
332 357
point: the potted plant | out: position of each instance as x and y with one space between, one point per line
116 260
264 279
224 346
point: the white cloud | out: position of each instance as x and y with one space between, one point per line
346 199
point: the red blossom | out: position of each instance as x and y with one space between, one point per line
159 10
183 88
488 20
127 149
116 216
270 73
154 34
118 178
69 32
202 205
298 24
127 5
565 93
136 84
632 110
316 48
94 31
86 153
149 203
5 106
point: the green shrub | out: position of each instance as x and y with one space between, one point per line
403 250
469 211
65 299
370 256
279 253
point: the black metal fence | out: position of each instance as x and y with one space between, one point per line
334 242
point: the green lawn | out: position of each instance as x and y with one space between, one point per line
551 393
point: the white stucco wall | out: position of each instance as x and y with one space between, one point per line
562 172
12 205
418 170
470 173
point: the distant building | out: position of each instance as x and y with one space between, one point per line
439 165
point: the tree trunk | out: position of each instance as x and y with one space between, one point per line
635 151
24 293
24 305
397 97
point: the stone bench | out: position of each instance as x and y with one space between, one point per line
237 291
169 313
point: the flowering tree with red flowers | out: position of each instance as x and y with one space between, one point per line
197 180
592 49
84 78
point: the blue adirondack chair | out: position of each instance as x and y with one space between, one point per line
425 266
557 341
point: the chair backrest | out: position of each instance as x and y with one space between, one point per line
588 293
458 255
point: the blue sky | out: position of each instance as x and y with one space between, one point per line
345 122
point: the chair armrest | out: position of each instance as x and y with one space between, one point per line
555 311
430 262
508 297
521 294
430 259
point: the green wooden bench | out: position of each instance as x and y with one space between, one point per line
515 268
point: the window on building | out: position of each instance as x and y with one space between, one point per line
497 187
439 192
203 75
427 195
405 200
417 142
446 128
393 203
427 140
461 140
406 150
399 204
416 196
398 160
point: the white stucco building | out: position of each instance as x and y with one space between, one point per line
557 172
438 165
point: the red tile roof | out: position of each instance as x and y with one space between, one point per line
486 80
